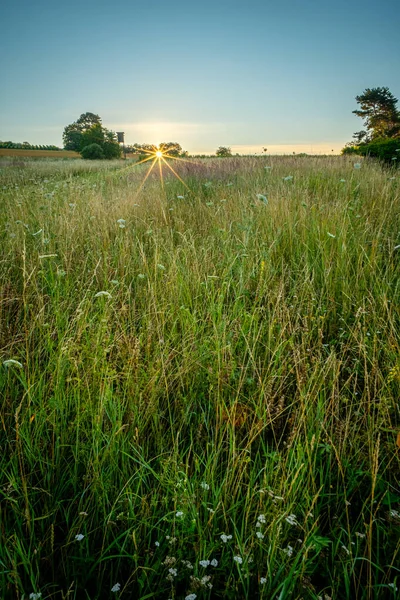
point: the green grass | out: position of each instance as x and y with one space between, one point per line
244 362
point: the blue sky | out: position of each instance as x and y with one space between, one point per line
282 75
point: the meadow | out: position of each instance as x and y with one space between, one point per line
200 383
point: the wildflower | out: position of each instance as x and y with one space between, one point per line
191 597
225 538
212 511
205 581
79 537
181 197
261 519
345 549
187 564
238 559
161 267
173 572
179 513
262 198
10 361
100 294
291 519
331 235
214 562
260 535
204 485
157 544
141 276
267 167
35 595
121 223
116 587
357 165
288 551
204 563
342 181
263 580
288 178
393 586
83 514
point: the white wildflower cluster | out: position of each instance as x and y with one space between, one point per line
204 485
199 582
261 520
191 597
360 535
187 564
171 574
79 537
116 587
263 580
274 497
238 560
169 561
121 223
210 510
394 514
288 551
393 586
35 595
179 514
262 198
171 540
292 519
225 538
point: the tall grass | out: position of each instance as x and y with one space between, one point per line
232 396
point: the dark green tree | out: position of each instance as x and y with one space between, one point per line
381 117
224 151
88 130
72 136
92 152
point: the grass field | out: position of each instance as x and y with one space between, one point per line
200 387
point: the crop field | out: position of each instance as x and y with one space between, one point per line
199 380
38 153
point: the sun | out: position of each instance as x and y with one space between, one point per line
159 154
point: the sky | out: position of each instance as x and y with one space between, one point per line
280 74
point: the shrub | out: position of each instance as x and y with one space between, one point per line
92 152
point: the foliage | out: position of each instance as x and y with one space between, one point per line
92 151
387 150
224 151
217 382
381 117
27 146
88 130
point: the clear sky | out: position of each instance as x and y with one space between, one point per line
281 74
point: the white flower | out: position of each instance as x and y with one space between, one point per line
161 267
204 563
10 361
225 538
79 537
173 572
211 510
331 235
261 519
238 559
263 580
106 294
121 223
214 562
181 197
35 595
357 165
345 549
157 544
291 519
288 178
141 276
288 551
360 535
116 587
191 597
392 585
179 513
260 535
267 167
262 198
204 485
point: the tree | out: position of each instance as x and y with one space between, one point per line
88 131
381 117
72 136
224 151
92 152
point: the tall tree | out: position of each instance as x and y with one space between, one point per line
381 117
72 136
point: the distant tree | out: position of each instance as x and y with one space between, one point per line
224 151
92 152
171 148
72 136
88 131
381 117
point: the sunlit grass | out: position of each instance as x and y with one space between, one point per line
200 380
